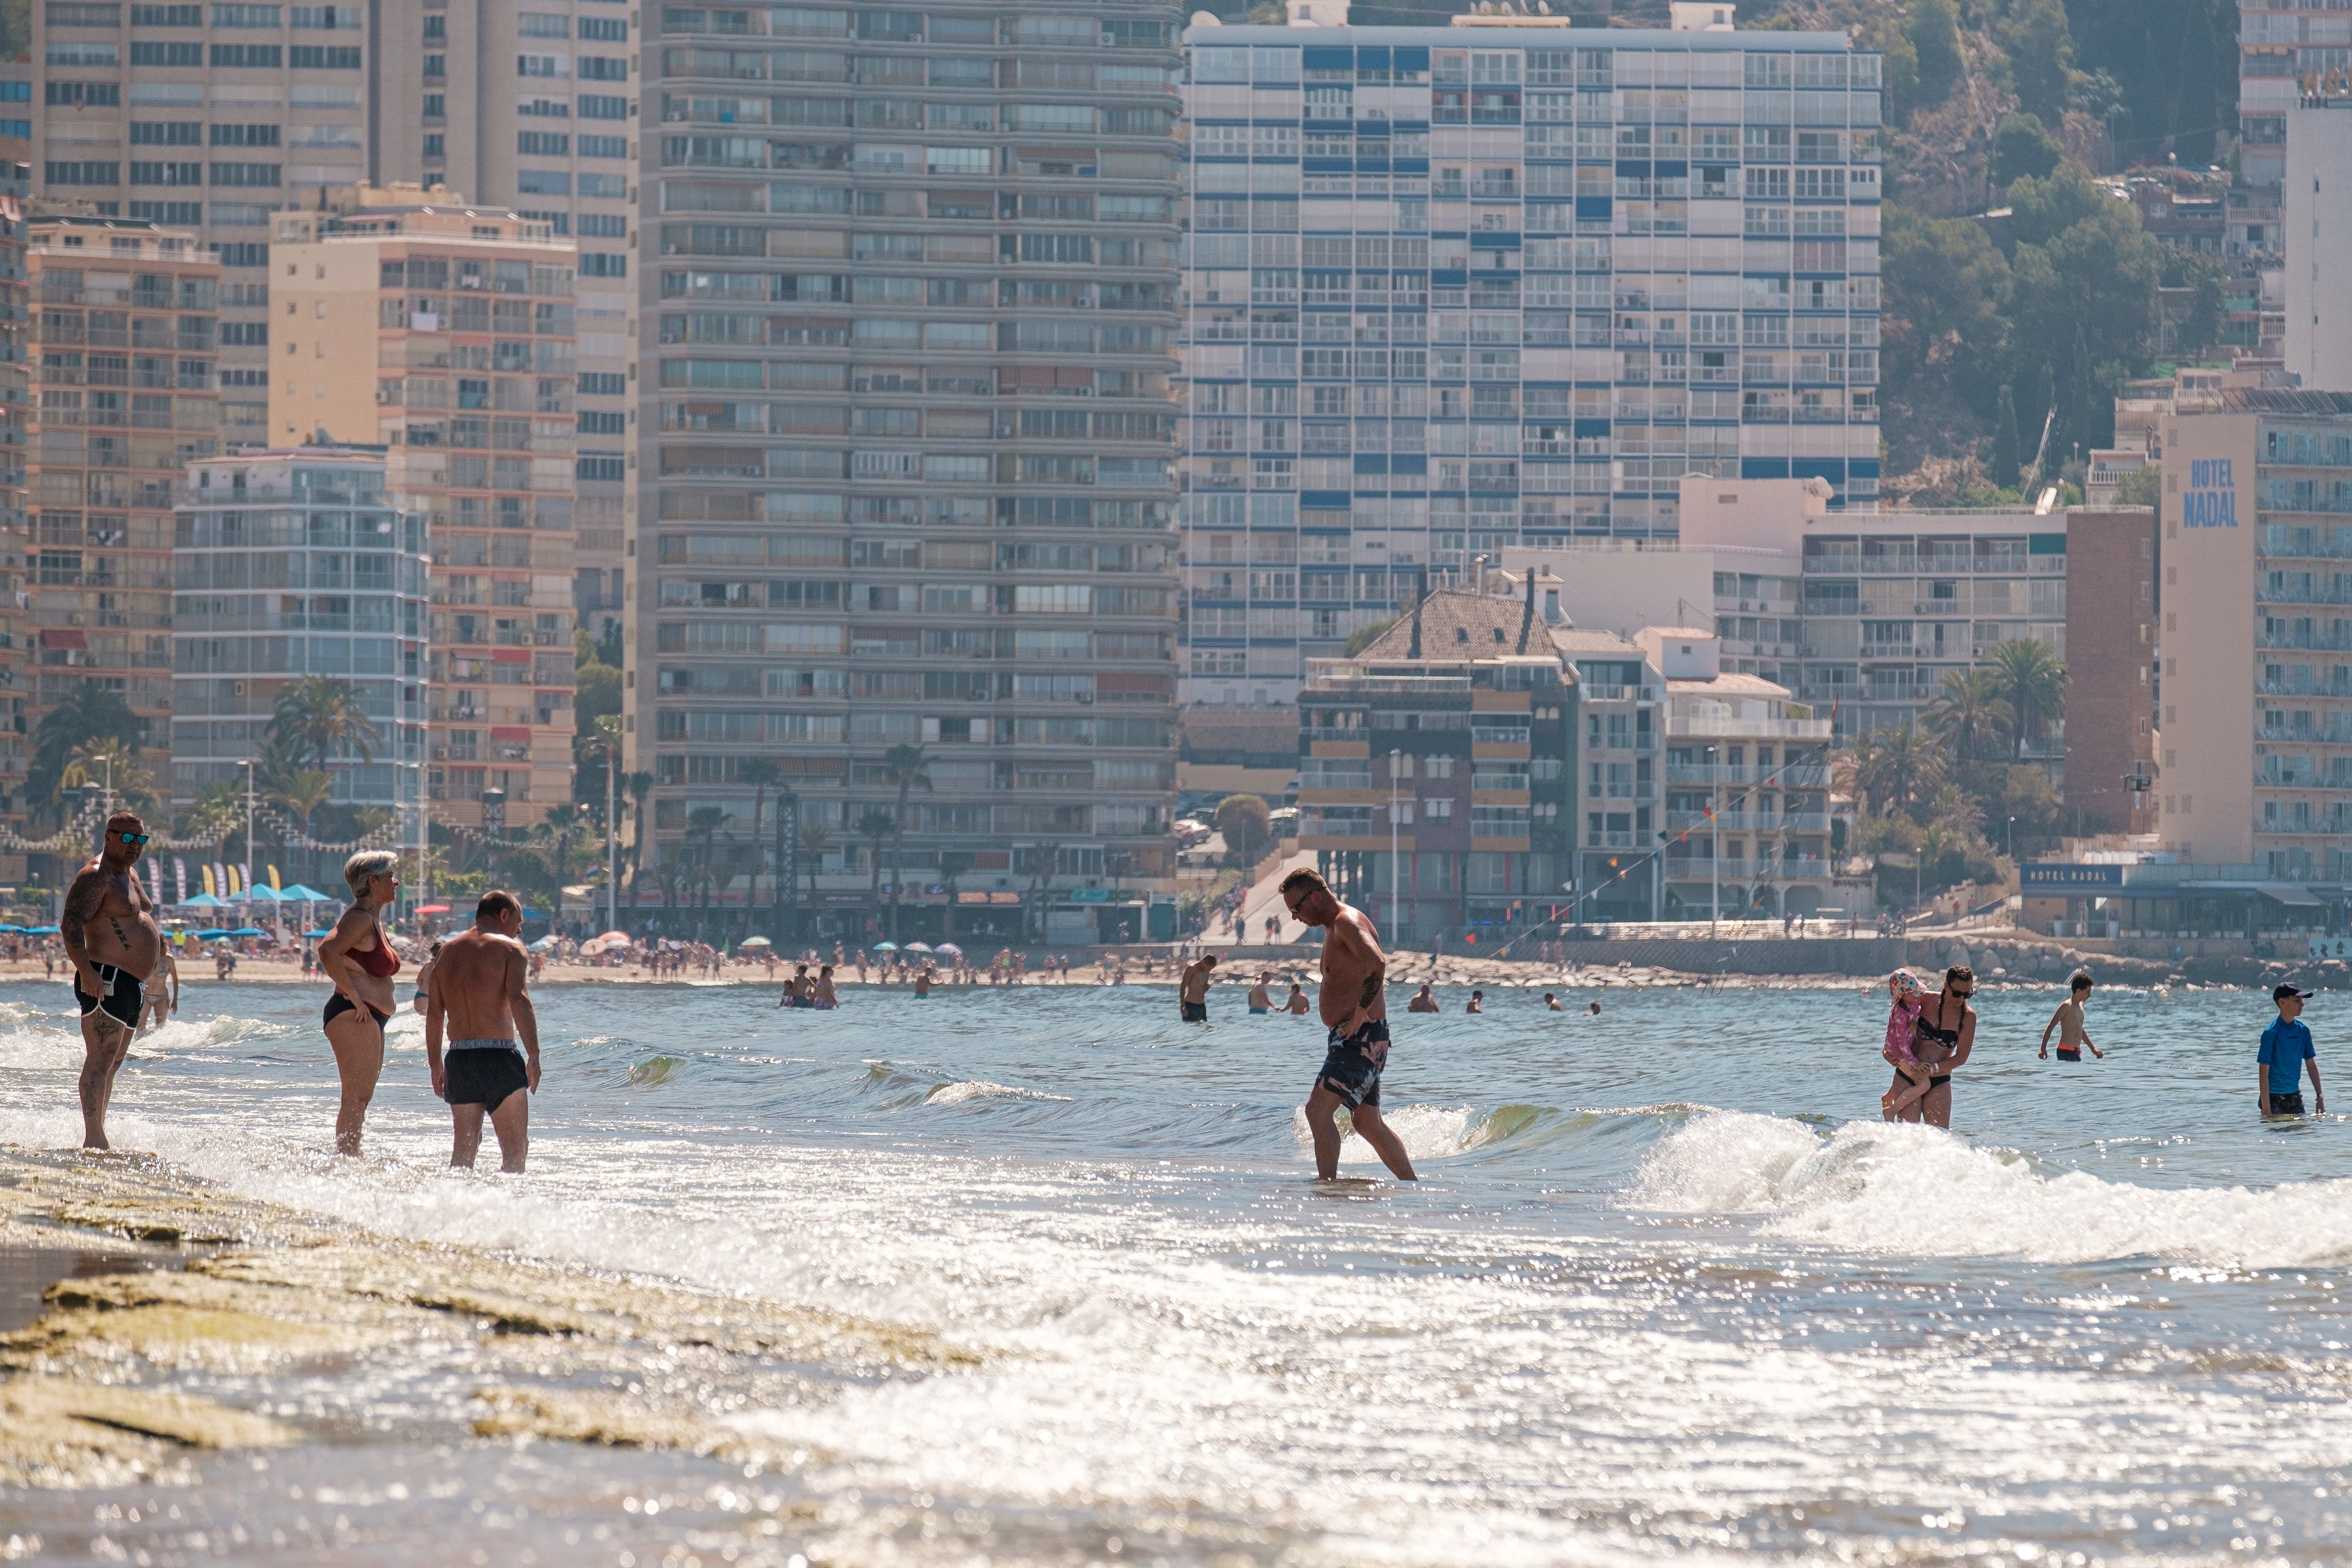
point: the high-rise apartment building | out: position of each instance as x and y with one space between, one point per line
123 345
907 312
2257 699
295 562
444 331
1454 290
15 436
2317 221
2280 44
533 106
2113 682
211 117
206 118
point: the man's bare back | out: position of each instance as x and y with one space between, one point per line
480 999
1354 968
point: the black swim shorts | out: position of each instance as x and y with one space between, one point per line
483 1075
1352 1064
2066 1056
122 999
2286 1104
1196 1012
338 1004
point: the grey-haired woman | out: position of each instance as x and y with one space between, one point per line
358 957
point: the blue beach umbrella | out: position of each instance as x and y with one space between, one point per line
322 930
40 930
210 935
885 947
247 931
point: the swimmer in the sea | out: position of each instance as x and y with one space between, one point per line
1192 988
1423 1000
1297 1004
1355 1010
424 978
1261 1000
166 998
1552 1002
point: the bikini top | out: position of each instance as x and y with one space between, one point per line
380 960
1942 1036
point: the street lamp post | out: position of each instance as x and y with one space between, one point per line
612 837
1715 848
248 766
1396 880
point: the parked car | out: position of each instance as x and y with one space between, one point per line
1190 832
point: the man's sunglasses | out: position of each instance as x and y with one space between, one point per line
134 837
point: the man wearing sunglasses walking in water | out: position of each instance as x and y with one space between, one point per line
110 933
1356 1011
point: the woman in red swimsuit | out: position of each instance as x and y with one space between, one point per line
358 956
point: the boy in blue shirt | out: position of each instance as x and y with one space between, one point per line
2287 1046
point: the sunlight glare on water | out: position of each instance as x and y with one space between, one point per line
1668 1289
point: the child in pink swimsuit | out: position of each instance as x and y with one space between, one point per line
1902 1024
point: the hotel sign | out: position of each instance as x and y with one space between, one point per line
2211 499
2069 879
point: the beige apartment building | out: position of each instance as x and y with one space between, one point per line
205 119
210 118
124 348
534 107
2257 695
444 331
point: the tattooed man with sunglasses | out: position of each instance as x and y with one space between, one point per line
110 933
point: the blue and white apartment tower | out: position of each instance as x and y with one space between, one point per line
1449 290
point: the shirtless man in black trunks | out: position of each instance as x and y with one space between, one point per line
1947 1033
1355 1009
110 934
480 998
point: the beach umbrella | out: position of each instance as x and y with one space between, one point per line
300 894
757 942
248 930
5 927
201 902
322 930
950 949
40 930
432 909
210 935
885 947
917 947
544 944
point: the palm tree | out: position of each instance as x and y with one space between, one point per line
2033 680
763 774
704 823
559 829
316 714
636 789
905 766
876 824
1967 711
1890 768
105 762
1044 858
216 815
302 791
953 863
815 838
91 711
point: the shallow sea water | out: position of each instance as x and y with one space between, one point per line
1669 1292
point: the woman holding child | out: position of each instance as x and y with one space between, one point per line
1940 1030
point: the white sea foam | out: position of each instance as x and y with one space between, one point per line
979 1089
1874 1187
